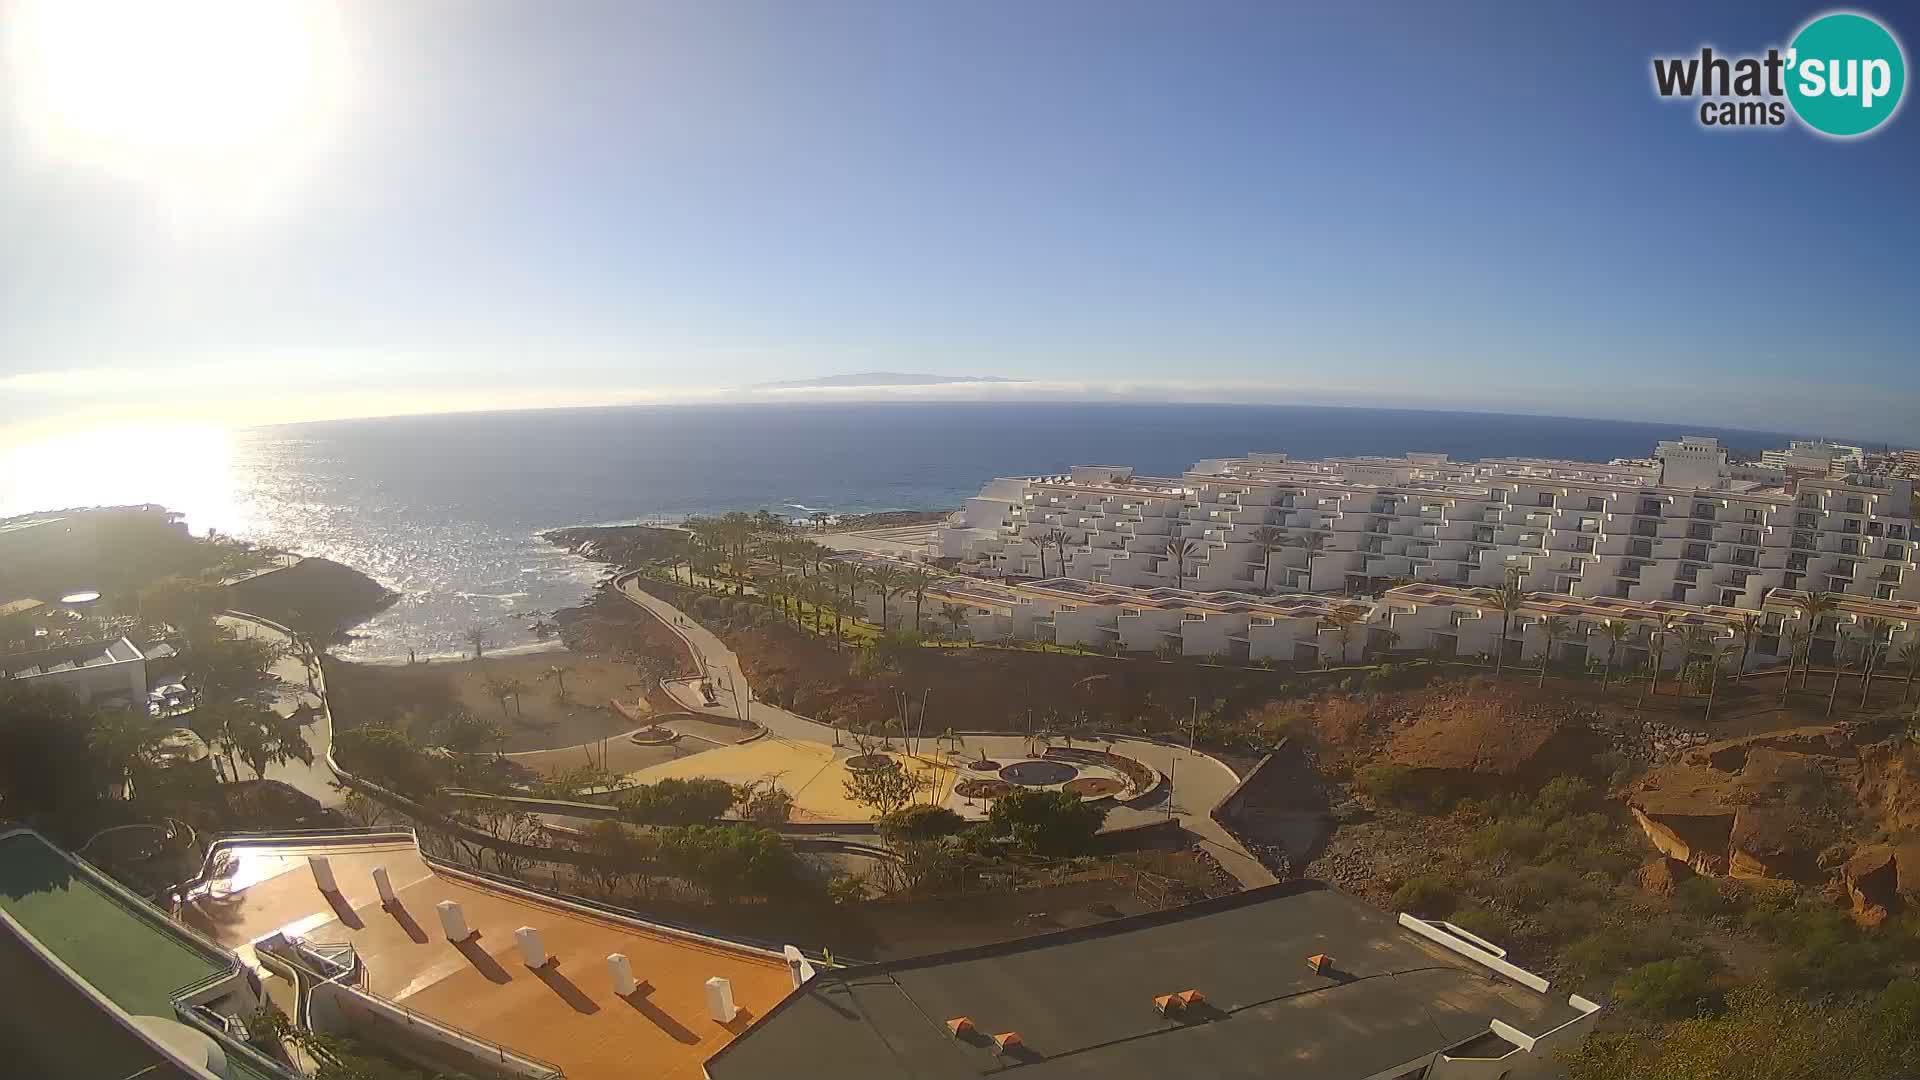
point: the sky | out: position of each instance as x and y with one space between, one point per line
376 208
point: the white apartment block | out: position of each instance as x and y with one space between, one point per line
1816 456
1684 526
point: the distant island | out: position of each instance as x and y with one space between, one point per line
878 378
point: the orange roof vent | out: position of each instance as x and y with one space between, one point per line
1190 998
960 1025
1008 1041
1319 963
1168 1004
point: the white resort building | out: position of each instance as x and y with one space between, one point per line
1223 559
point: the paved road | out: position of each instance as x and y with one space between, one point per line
316 779
1199 781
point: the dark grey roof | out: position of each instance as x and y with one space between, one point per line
1082 1000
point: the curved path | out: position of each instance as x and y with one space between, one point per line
1200 781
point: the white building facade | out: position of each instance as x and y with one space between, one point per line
1684 527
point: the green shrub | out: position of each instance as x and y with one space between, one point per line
1561 796
1046 822
1523 837
1393 785
921 822
1427 896
1671 989
1701 896
676 801
1482 922
1531 888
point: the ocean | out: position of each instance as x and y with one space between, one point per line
448 509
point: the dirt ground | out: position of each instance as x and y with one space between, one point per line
537 718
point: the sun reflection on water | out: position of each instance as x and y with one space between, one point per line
187 468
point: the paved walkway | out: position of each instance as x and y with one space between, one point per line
316 779
1199 781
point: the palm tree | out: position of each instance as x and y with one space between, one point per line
1558 629
1058 538
497 690
847 577
1910 655
916 581
1792 637
1695 638
818 593
1745 629
1657 647
1617 631
1311 542
1509 598
1269 540
1180 551
1815 605
1842 638
887 580
1877 640
1716 655
557 674
514 688
955 616
1341 621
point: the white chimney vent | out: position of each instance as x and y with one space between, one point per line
532 952
385 885
720 1004
454 920
621 971
322 873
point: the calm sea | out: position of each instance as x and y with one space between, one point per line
447 509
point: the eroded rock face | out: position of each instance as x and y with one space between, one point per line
1759 808
1662 876
1872 881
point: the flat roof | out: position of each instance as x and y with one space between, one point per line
50 1028
126 950
1082 1000
84 654
567 1014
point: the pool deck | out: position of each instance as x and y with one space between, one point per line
566 1013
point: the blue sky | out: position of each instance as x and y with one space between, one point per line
1462 205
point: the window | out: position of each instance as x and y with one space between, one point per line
1896 532
1805 521
1645 528
1884 592
1873 528
1589 525
1856 506
1595 502
1791 581
1843 568
1703 509
1896 551
1754 517
1642 548
1696 552
1849 547
1750 536
1729 598
1679 592
1803 540
1746 557
1797 561
1811 502
1850 524
1546 498
1583 543
1650 506
1700 531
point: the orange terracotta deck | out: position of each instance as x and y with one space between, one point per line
566 1013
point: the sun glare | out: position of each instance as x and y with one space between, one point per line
188 468
185 89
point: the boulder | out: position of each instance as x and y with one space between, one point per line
1662 876
1872 880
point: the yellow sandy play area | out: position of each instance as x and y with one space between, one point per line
812 772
